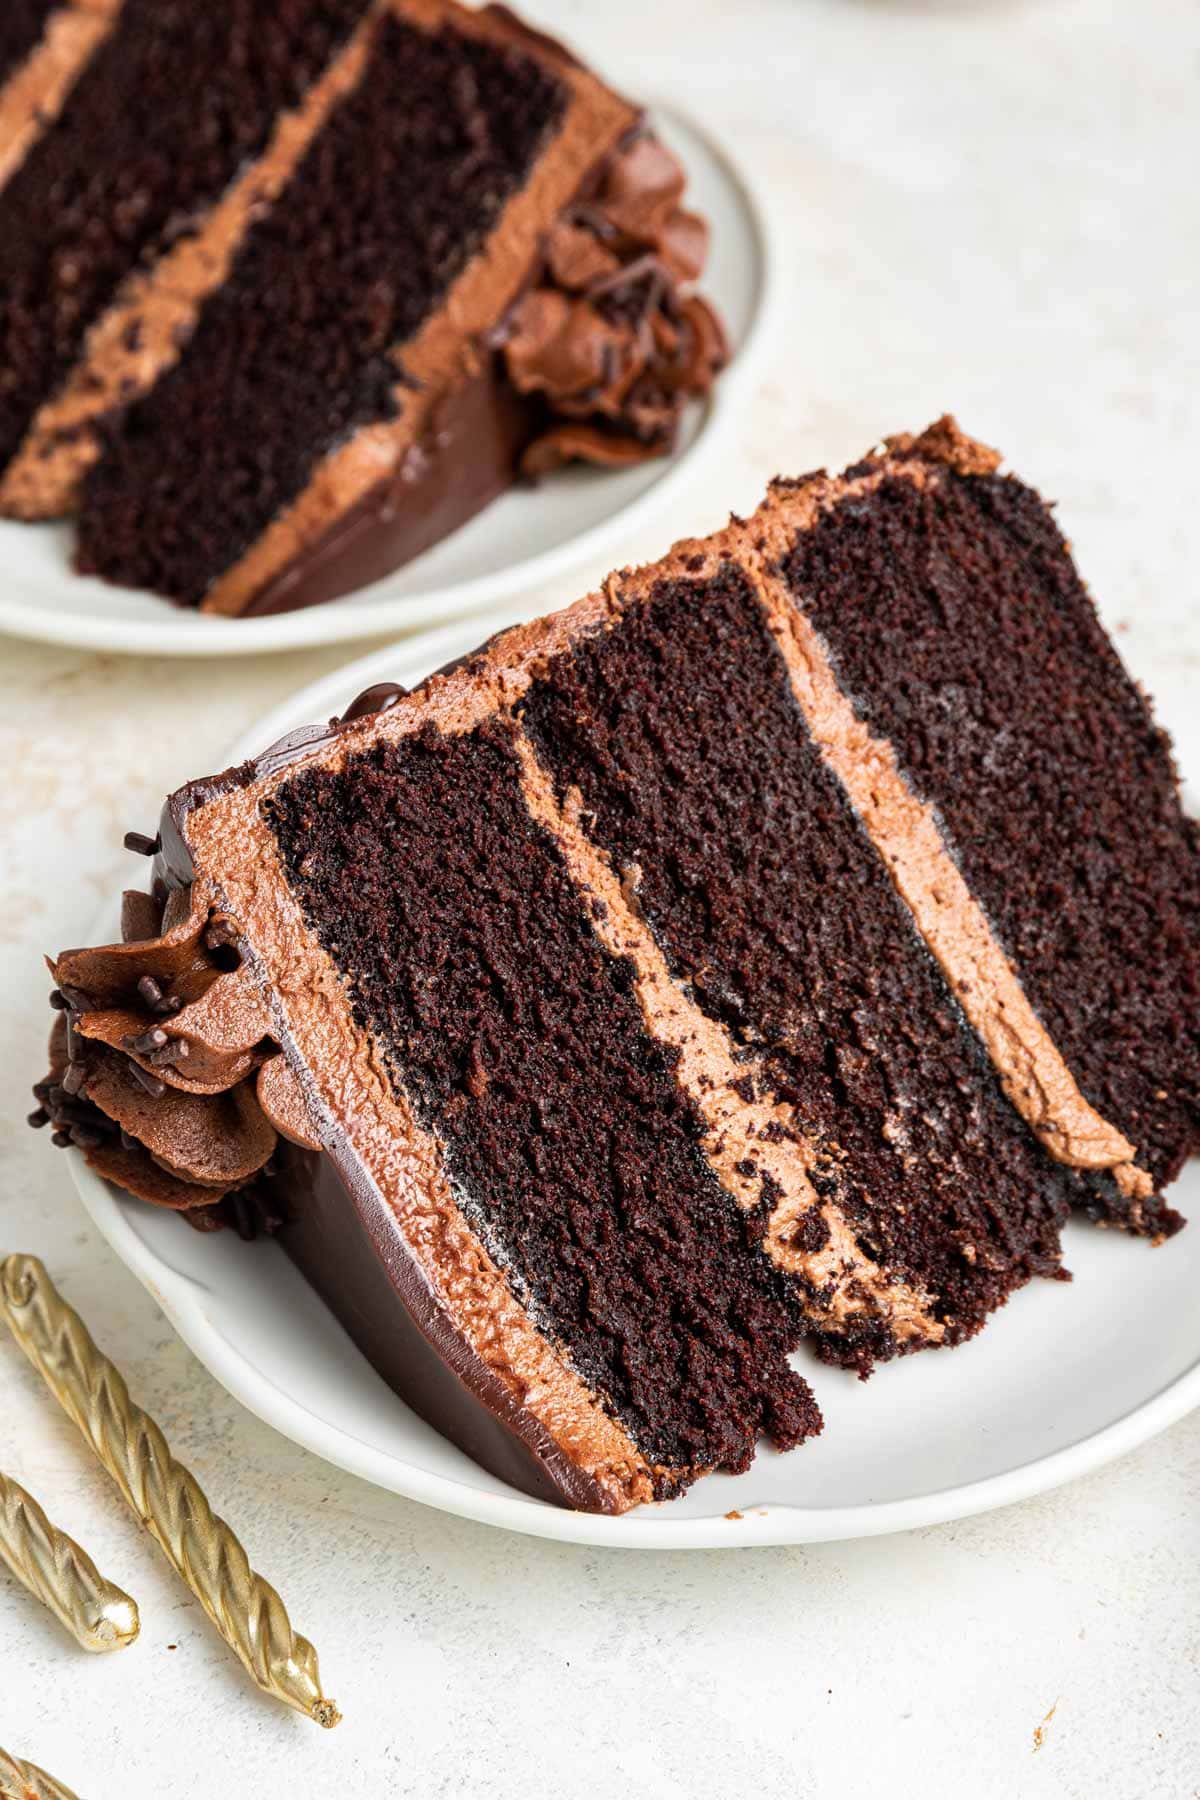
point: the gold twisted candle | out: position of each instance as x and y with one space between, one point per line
22 1781
59 1573
166 1497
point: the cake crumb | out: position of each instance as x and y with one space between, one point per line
733 1515
1039 1731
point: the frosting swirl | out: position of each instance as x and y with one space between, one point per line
609 336
163 1070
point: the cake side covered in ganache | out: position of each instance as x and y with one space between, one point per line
631 1004
363 263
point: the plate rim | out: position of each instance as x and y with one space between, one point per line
355 616
647 1527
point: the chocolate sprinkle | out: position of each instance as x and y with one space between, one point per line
221 933
163 1006
153 1086
141 845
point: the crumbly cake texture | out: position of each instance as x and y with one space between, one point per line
526 1056
620 1010
1054 789
418 251
175 99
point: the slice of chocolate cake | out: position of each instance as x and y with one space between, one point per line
626 1006
424 250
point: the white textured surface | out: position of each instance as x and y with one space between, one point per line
990 208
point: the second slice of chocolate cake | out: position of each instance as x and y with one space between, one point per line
631 1003
359 263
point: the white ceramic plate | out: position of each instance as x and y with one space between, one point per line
1064 1379
526 537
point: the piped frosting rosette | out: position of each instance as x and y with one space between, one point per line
163 1070
610 336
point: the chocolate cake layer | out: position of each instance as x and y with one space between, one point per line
956 623
695 772
474 963
171 105
345 1245
772 1161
